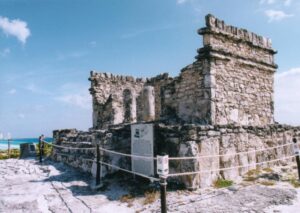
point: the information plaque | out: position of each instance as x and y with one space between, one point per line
142 144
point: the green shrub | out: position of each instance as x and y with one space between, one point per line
221 183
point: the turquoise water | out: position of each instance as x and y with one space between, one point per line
15 143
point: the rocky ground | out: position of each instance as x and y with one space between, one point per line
27 186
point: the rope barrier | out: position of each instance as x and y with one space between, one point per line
105 150
125 170
230 154
128 155
68 147
173 158
181 158
228 168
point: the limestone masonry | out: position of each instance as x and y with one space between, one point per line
221 103
231 82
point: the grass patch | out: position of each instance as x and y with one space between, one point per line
294 183
267 183
221 183
250 178
268 170
253 172
127 199
150 197
14 153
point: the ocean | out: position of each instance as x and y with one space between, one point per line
15 143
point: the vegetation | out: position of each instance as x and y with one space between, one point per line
47 149
269 170
14 153
127 199
252 174
295 182
151 196
221 183
267 183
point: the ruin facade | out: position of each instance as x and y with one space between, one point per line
231 82
220 104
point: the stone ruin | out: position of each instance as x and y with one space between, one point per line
223 103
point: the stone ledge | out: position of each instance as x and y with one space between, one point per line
208 51
218 27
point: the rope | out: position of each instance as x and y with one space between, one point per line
106 150
128 155
173 158
116 167
230 154
68 147
125 170
228 168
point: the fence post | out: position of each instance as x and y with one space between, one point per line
98 166
163 194
41 147
163 171
296 151
8 148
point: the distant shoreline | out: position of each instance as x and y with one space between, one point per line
15 143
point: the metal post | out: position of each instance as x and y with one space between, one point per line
98 166
41 151
8 148
296 150
8 144
163 194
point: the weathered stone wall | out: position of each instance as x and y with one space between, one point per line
114 98
241 74
73 157
184 141
204 140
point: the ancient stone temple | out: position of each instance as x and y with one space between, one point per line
231 82
222 103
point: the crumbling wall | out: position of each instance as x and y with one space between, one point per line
114 99
184 141
241 74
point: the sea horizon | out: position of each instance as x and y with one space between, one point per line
15 142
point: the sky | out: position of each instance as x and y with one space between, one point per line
49 47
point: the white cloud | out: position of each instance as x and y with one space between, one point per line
267 1
181 1
75 95
83 101
71 55
21 116
12 91
278 2
15 27
93 44
35 89
4 52
277 15
287 2
287 97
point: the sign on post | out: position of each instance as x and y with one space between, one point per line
163 165
142 145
